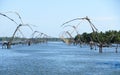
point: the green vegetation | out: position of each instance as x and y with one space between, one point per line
108 37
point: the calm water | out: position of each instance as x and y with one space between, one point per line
57 58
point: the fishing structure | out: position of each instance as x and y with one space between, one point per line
39 37
17 28
94 30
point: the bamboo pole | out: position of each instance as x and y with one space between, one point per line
10 42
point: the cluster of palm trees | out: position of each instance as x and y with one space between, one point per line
19 25
94 38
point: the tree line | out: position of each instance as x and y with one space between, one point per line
100 39
111 36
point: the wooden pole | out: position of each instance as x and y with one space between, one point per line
10 42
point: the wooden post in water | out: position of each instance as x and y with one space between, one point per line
100 48
116 51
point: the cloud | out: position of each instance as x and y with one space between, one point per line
105 23
105 18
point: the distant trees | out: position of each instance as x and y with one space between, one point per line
103 39
108 37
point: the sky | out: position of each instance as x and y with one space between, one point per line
47 16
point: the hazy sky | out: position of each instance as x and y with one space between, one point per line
49 15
